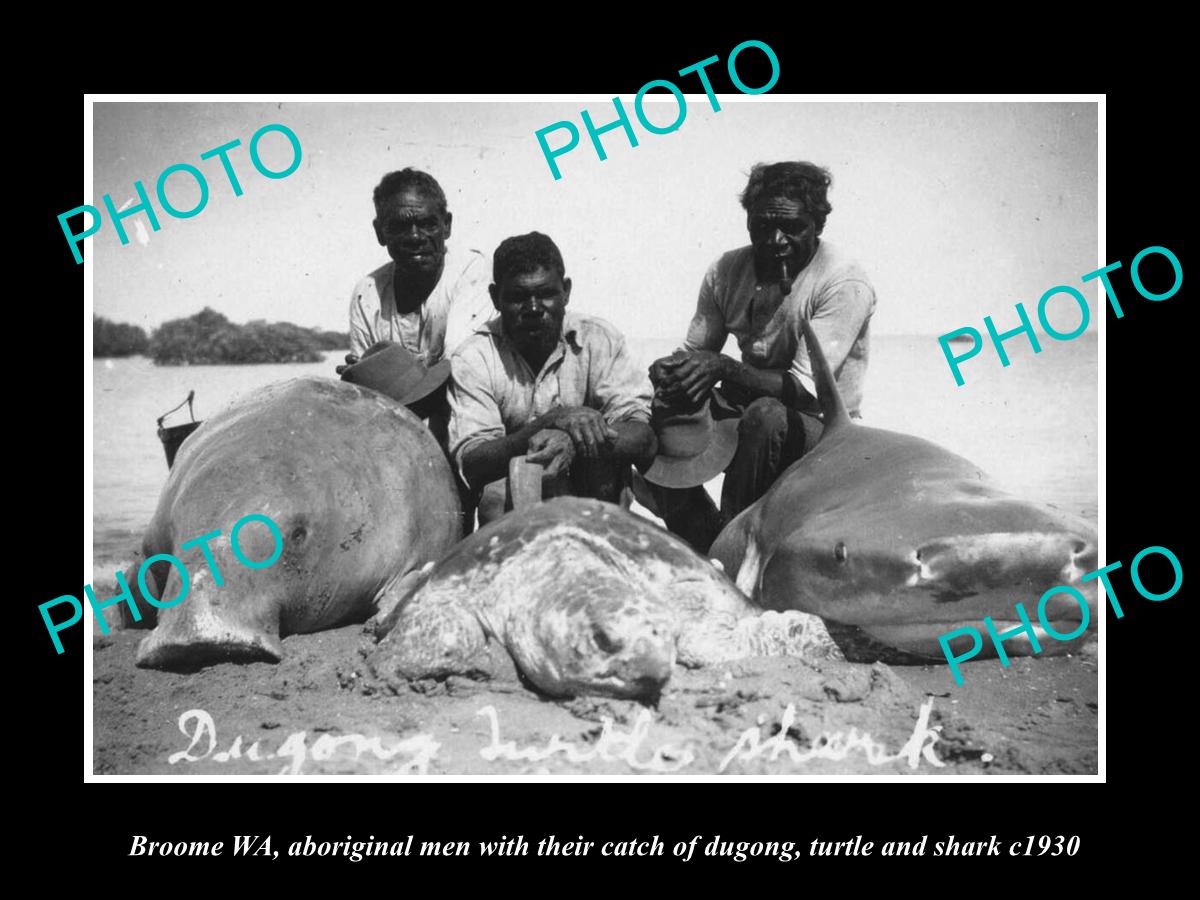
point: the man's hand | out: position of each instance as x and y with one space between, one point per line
693 377
351 359
662 370
552 448
586 428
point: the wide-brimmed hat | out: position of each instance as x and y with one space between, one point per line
693 447
396 371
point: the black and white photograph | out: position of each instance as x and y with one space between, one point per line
673 437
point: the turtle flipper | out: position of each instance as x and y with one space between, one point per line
393 597
432 641
789 633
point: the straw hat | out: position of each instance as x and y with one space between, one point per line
693 447
396 371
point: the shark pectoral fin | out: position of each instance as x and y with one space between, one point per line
750 572
729 549
393 596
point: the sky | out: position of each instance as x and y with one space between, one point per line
956 210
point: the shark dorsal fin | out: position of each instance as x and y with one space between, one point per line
833 408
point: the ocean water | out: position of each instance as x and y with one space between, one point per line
1031 426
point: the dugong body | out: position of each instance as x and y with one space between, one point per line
583 598
907 541
356 484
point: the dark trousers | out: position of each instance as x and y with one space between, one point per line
770 438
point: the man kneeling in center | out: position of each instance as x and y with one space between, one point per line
557 387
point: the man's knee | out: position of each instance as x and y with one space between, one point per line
600 479
491 501
466 499
673 504
691 514
765 416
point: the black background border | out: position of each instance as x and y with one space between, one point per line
1146 483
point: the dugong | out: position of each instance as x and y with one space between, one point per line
906 540
359 489
582 598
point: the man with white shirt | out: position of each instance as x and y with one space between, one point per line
541 382
428 298
760 293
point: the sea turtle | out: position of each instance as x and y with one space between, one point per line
583 598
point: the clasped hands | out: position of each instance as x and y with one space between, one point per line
567 432
688 374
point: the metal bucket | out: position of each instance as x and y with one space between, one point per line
175 435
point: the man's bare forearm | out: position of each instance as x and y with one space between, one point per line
777 383
635 443
488 461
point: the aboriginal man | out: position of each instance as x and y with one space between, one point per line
428 298
760 293
557 387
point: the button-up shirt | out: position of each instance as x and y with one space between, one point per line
458 304
494 392
832 292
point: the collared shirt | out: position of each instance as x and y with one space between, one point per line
458 304
833 293
494 392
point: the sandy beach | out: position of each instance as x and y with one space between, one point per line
319 712
1038 716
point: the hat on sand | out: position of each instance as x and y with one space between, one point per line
396 371
693 447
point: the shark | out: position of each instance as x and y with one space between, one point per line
904 541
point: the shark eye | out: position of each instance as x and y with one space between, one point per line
839 551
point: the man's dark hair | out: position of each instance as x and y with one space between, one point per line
395 182
801 181
525 253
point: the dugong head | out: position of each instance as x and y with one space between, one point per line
357 491
228 611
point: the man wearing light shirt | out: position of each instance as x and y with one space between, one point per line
428 298
759 294
537 381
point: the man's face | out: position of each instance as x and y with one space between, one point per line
414 229
531 307
784 236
